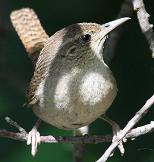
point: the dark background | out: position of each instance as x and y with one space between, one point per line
133 68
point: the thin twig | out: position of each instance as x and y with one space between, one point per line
15 124
127 9
134 133
127 128
143 19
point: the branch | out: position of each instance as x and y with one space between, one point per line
134 133
86 139
146 27
127 128
127 9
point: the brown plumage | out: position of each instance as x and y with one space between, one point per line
49 52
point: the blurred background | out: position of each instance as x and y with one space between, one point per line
133 68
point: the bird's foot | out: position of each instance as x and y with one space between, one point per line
33 138
116 131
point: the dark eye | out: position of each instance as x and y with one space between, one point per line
86 37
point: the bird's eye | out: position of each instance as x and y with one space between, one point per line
86 37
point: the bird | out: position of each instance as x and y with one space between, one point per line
72 86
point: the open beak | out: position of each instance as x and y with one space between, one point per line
108 27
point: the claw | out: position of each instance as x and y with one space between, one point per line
116 131
33 139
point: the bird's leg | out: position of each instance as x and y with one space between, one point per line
79 147
81 131
33 138
116 130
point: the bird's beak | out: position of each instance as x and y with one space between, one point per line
108 27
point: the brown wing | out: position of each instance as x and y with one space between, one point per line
43 64
39 75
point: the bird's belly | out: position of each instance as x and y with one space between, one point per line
70 118
80 106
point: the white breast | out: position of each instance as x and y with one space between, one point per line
94 87
63 89
76 98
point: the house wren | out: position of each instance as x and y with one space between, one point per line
72 86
